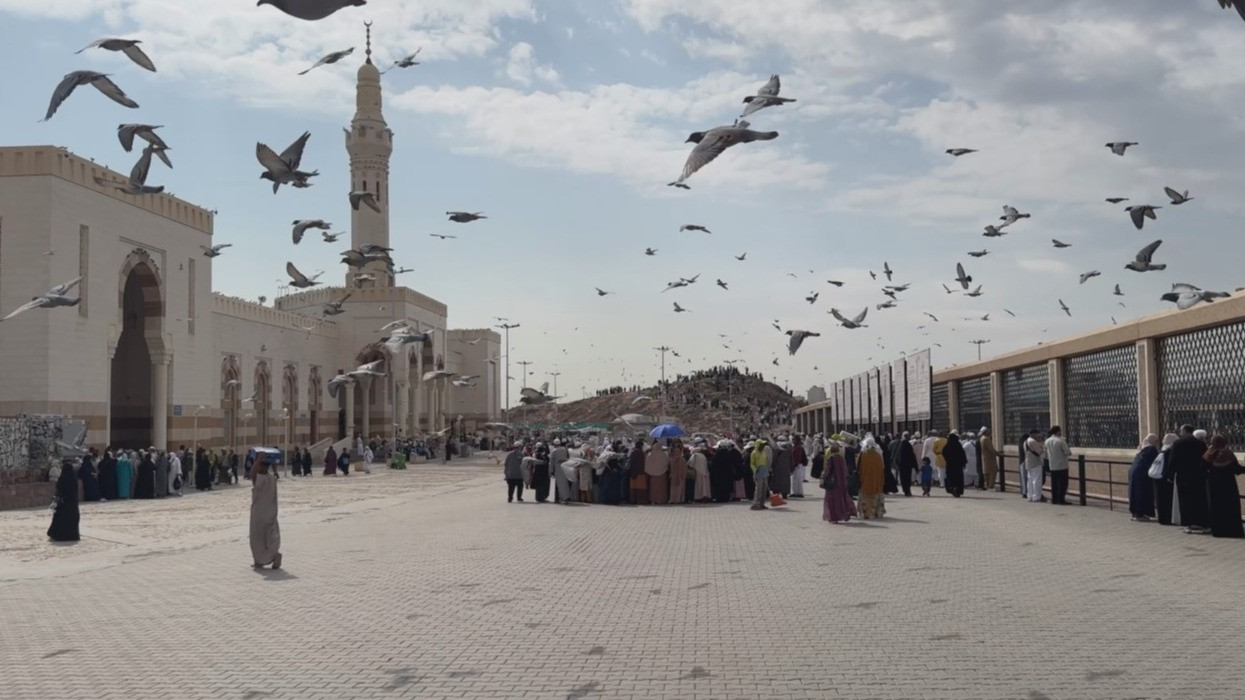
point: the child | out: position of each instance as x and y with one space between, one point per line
927 476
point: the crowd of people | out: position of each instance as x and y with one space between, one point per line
1183 481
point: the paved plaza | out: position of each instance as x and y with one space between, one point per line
427 584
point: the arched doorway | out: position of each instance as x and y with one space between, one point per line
138 401
231 399
263 402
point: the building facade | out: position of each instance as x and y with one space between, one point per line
152 356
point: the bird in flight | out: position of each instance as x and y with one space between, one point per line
1142 263
1089 275
311 10
54 297
713 143
678 309
99 81
742 256
1177 198
978 253
1065 308
601 292
650 251
1140 212
1118 147
694 227
767 96
404 62
797 339
1186 296
328 58
442 236
465 217
849 323
129 47
957 152
1060 244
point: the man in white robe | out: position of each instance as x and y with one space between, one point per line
557 456
970 451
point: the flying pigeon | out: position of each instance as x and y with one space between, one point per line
283 169
812 298
978 253
850 323
976 292
129 47
214 250
888 304
694 227
137 182
1117 200
1089 275
957 152
931 316
311 10
601 292
1009 313
465 217
650 251
332 237
1060 244
1177 198
961 277
835 283
674 285
899 287
712 143
301 226
872 275
947 289
1140 212
678 309
1117 291
404 62
993 231
99 81
334 308
797 339
56 296
886 270
442 236
329 58
1227 4
1065 308
299 279
357 198
741 256
767 96
1118 147
1186 296
1142 262
146 132
690 280
1011 215
890 293
723 285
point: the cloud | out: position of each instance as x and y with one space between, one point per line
522 66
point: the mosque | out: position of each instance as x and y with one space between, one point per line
152 356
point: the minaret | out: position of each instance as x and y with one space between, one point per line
369 143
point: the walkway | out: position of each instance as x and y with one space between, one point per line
434 587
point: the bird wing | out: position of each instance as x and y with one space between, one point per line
34 304
861 318
64 288
136 55
771 87
530 393
295 274
138 174
710 147
1145 254
112 92
62 92
293 155
1182 287
93 45
125 134
268 158
1009 211
1138 216
341 301
1173 194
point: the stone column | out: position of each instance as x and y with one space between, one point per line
349 389
160 400
400 411
1148 418
996 410
1058 409
953 404
419 389
107 439
365 428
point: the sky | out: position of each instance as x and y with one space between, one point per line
562 120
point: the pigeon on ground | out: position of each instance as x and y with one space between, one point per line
465 217
1177 198
99 81
334 308
332 57
1117 291
978 253
214 250
1228 4
129 47
1089 275
957 152
1011 215
146 132
961 277
976 292
1118 147
1186 296
1060 244
1140 212
742 256
767 96
812 298
601 292
723 285
442 236
332 237
694 227
1065 308
835 283
650 251
850 323
678 309
137 183
404 62
993 231
797 339
368 198
886 270
311 10
56 296
1142 262
283 169
712 143
298 279
301 226
1117 200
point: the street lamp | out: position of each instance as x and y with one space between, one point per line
979 343
663 350
505 326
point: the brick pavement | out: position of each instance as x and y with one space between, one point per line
450 592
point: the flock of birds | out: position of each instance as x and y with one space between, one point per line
286 168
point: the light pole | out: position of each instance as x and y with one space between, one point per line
197 411
525 364
506 326
979 343
663 350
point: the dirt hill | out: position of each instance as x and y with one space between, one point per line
704 401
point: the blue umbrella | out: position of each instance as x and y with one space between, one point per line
666 430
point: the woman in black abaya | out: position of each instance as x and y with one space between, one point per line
90 486
64 527
145 486
1225 497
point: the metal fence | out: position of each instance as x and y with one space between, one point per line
1026 400
1100 396
975 403
1202 381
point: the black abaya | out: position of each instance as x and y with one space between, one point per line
64 527
956 459
722 472
203 472
1186 457
90 485
1225 501
145 486
108 478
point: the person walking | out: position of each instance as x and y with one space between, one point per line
265 531
513 473
871 504
1034 451
837 505
955 460
65 514
1058 455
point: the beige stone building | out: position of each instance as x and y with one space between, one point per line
152 356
